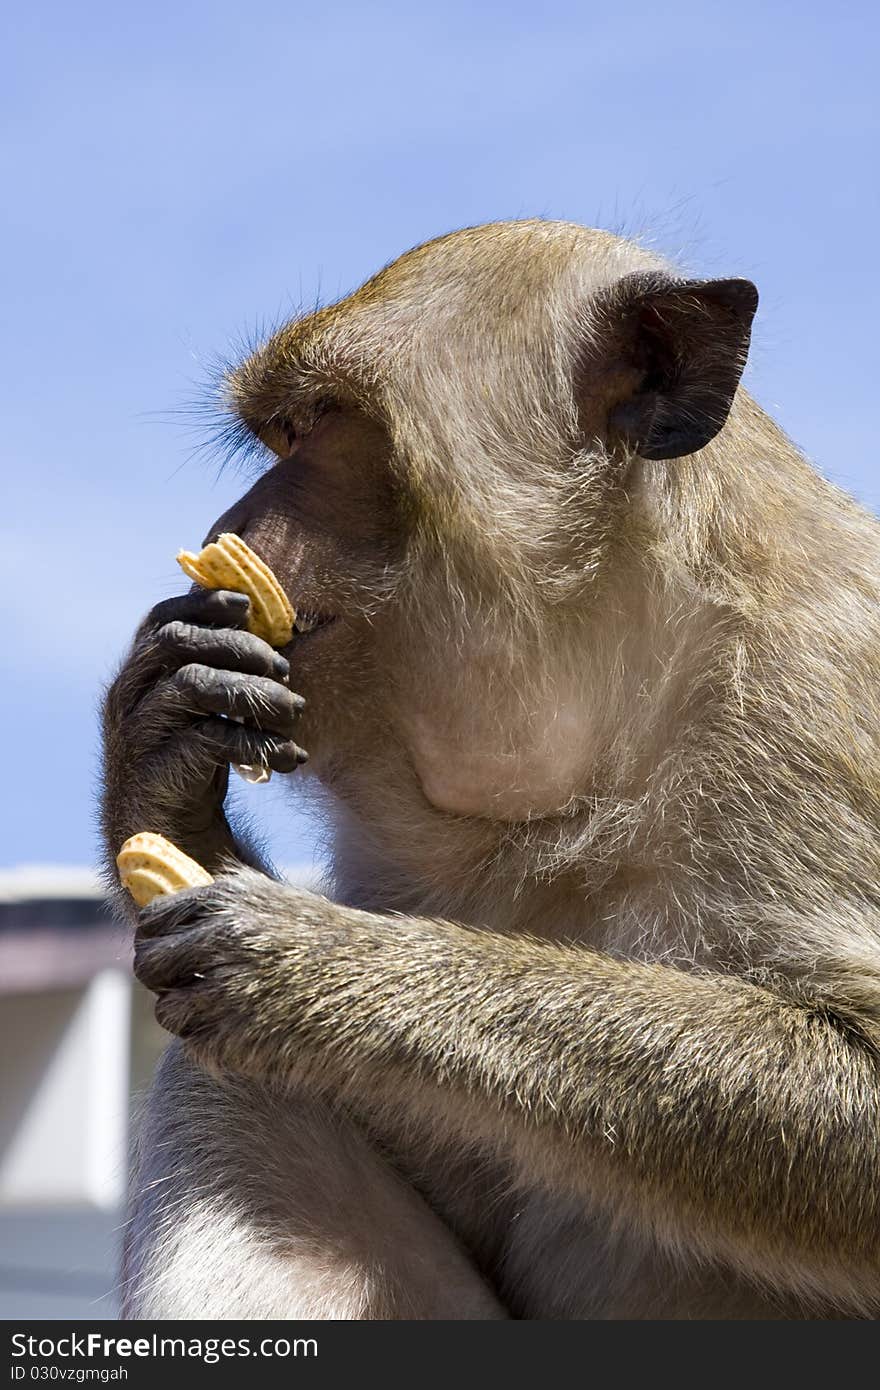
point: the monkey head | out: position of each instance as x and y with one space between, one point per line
455 452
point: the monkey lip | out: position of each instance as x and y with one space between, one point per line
308 623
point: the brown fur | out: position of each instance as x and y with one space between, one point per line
598 739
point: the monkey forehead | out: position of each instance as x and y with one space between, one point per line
511 266
492 294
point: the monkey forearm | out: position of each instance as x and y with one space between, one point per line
742 1116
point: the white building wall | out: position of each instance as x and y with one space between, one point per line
65 1094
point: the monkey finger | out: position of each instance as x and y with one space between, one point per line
190 1013
229 650
271 707
150 658
234 743
169 962
205 607
169 913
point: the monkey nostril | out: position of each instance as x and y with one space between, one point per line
217 531
230 522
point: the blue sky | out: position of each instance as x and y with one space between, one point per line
176 174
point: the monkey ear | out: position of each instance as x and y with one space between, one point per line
687 342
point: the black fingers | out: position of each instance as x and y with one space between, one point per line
223 672
232 650
207 607
169 913
234 743
169 963
261 701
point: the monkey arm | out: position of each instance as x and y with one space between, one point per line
699 1103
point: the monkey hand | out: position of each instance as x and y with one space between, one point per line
196 693
236 966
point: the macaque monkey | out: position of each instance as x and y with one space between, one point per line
588 1023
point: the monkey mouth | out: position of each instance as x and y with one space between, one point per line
308 622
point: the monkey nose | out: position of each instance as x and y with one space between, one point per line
235 520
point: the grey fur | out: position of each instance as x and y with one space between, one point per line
591 1012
